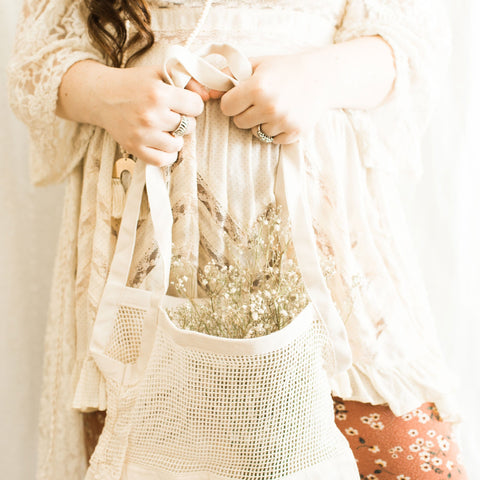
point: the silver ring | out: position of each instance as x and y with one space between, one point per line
262 136
182 127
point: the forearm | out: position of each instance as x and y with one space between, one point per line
79 93
357 74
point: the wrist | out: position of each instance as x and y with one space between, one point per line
83 92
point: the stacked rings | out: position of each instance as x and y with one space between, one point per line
182 127
262 136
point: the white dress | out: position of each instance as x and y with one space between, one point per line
354 159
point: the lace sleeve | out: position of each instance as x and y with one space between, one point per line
419 35
51 36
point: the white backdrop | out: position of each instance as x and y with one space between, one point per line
442 209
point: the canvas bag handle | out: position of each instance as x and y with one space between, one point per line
291 191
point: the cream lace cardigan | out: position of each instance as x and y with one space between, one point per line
362 236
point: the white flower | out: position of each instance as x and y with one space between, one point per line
431 433
413 432
437 461
423 418
351 431
425 467
425 456
444 445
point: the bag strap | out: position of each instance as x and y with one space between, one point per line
122 257
291 192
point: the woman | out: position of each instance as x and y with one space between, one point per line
354 79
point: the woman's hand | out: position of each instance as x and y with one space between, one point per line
133 104
287 93
282 96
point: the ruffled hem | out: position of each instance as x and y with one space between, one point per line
403 392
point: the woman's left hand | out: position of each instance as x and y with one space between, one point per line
287 94
282 96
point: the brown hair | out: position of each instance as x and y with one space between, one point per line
107 27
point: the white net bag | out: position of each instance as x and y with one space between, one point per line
183 404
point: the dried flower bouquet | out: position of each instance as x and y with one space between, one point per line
257 294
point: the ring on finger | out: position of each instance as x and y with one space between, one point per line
182 127
263 136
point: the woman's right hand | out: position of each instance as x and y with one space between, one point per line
134 105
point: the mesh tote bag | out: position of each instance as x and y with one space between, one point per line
187 405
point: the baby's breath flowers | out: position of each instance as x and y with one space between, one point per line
258 293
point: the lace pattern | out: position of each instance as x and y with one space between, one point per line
50 38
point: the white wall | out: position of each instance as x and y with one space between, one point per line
445 219
29 222
442 212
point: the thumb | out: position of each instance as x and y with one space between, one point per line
197 87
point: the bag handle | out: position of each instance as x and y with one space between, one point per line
291 191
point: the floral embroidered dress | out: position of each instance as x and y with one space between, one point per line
224 180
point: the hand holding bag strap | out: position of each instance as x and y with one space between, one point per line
291 188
